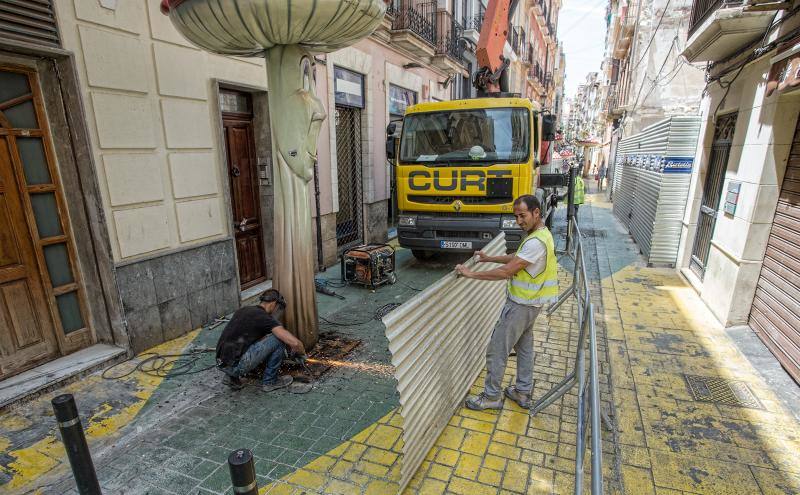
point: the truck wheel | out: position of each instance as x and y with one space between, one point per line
421 254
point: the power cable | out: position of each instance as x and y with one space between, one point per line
652 37
377 316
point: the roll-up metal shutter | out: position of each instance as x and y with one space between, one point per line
775 314
31 21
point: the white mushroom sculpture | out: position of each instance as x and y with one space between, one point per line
287 33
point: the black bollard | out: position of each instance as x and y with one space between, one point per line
75 444
243 472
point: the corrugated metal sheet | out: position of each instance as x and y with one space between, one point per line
31 21
438 343
648 201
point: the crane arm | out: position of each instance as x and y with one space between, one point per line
491 75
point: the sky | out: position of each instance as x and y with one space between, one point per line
582 30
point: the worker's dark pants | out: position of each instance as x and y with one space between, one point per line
514 330
269 350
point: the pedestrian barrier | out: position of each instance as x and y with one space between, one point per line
586 408
80 459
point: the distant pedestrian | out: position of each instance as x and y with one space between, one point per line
580 192
601 175
254 336
532 283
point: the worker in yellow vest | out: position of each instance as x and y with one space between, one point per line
580 193
532 283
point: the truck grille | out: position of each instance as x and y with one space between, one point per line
457 234
467 200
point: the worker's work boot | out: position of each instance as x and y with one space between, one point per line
482 401
280 382
524 400
233 382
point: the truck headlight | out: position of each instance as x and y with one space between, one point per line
509 223
407 221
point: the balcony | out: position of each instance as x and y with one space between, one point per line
612 107
538 77
414 27
719 28
472 26
518 42
449 47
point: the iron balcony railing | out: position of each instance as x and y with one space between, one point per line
588 407
448 36
518 40
536 73
701 9
419 18
476 22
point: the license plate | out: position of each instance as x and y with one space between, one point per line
456 245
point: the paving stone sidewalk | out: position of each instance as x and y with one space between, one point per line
171 436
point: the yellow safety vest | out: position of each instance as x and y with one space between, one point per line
580 188
542 289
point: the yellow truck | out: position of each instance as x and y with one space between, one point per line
459 167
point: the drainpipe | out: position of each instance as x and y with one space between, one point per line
320 263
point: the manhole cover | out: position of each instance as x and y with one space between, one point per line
721 391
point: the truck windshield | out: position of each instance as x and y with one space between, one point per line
478 135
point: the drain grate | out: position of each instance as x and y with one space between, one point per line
721 391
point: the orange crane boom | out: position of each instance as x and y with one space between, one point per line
491 77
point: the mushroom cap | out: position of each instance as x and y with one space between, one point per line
250 27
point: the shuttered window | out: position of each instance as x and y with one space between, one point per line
775 315
31 21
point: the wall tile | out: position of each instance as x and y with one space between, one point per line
180 71
193 174
142 230
115 60
199 219
133 178
125 121
187 124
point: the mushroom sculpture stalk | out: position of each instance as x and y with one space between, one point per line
287 33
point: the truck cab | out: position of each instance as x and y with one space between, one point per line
459 167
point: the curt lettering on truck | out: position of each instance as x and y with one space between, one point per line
447 180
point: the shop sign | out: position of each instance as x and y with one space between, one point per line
348 87
678 165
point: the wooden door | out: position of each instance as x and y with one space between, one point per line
27 335
245 204
775 314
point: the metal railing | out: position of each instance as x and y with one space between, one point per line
588 386
448 36
476 21
701 9
518 40
418 18
536 73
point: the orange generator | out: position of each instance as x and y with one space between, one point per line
371 265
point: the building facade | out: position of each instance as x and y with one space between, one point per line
137 169
742 222
644 79
533 50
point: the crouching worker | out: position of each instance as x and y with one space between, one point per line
532 283
254 336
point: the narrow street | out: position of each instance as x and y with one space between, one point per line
173 435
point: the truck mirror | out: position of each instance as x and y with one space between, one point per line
390 145
390 129
548 127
